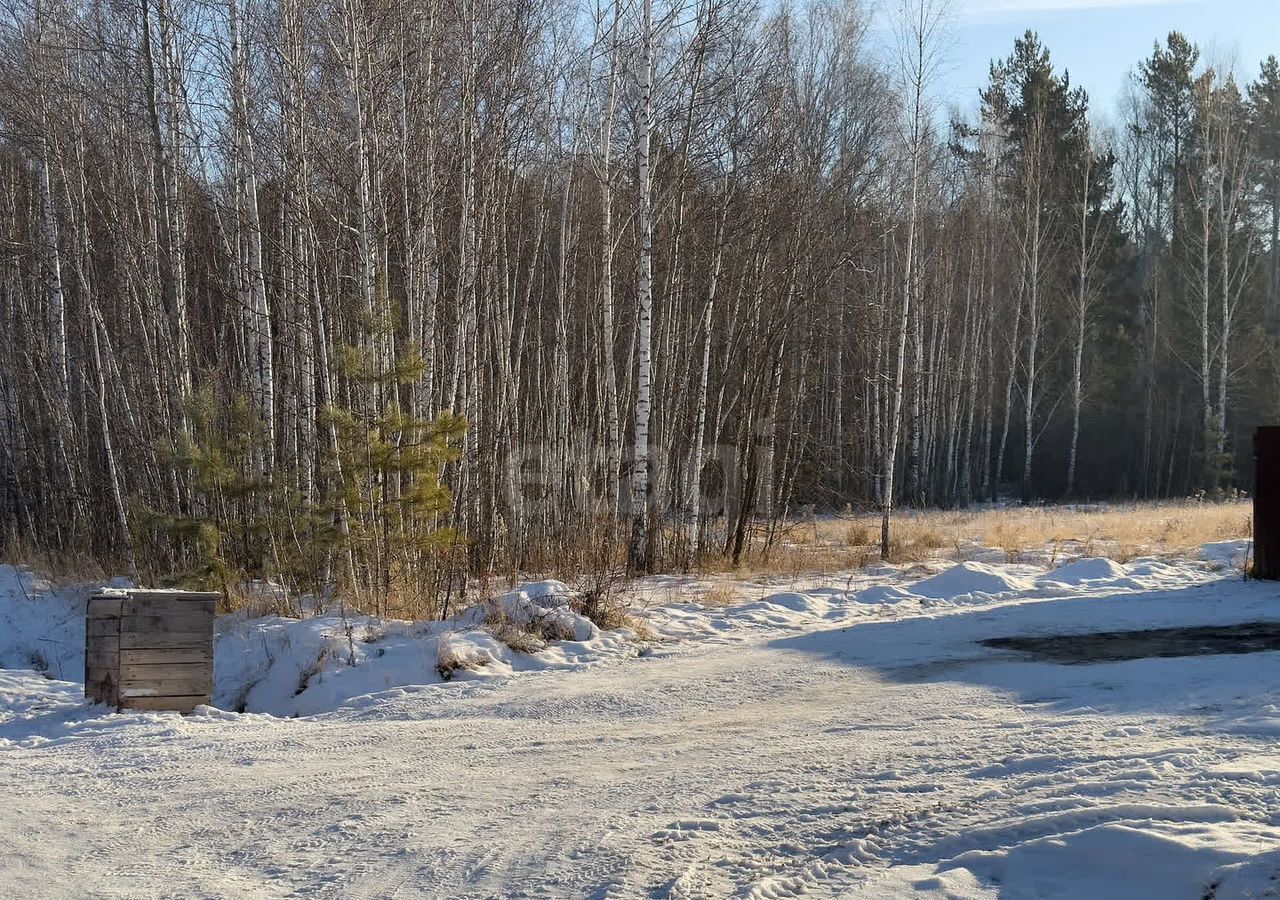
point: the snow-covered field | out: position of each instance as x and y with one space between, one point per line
836 736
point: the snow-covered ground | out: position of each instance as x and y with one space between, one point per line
837 736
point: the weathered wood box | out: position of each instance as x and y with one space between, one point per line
149 649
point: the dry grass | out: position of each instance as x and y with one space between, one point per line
809 546
719 595
60 570
791 559
1120 531
610 611
1148 528
450 658
520 638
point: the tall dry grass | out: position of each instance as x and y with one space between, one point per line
1119 531
595 563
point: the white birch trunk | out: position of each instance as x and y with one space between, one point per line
919 23
249 229
640 473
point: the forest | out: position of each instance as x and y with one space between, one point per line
388 294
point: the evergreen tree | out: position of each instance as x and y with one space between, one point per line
1264 121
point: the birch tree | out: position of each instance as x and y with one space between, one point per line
259 260
644 300
919 32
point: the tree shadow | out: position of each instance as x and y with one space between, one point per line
946 645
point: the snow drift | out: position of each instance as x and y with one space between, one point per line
289 667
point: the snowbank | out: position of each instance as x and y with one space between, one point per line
289 667
970 579
1228 554
1090 568
41 624
1116 861
884 593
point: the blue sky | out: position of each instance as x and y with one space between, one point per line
1101 41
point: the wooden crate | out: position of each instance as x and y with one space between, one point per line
149 649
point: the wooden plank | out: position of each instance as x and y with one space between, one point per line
101 673
184 704
154 656
138 673
102 689
104 607
173 594
167 687
161 601
172 640
172 610
167 623
102 627
97 658
168 601
152 668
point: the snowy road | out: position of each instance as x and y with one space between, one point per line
883 758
